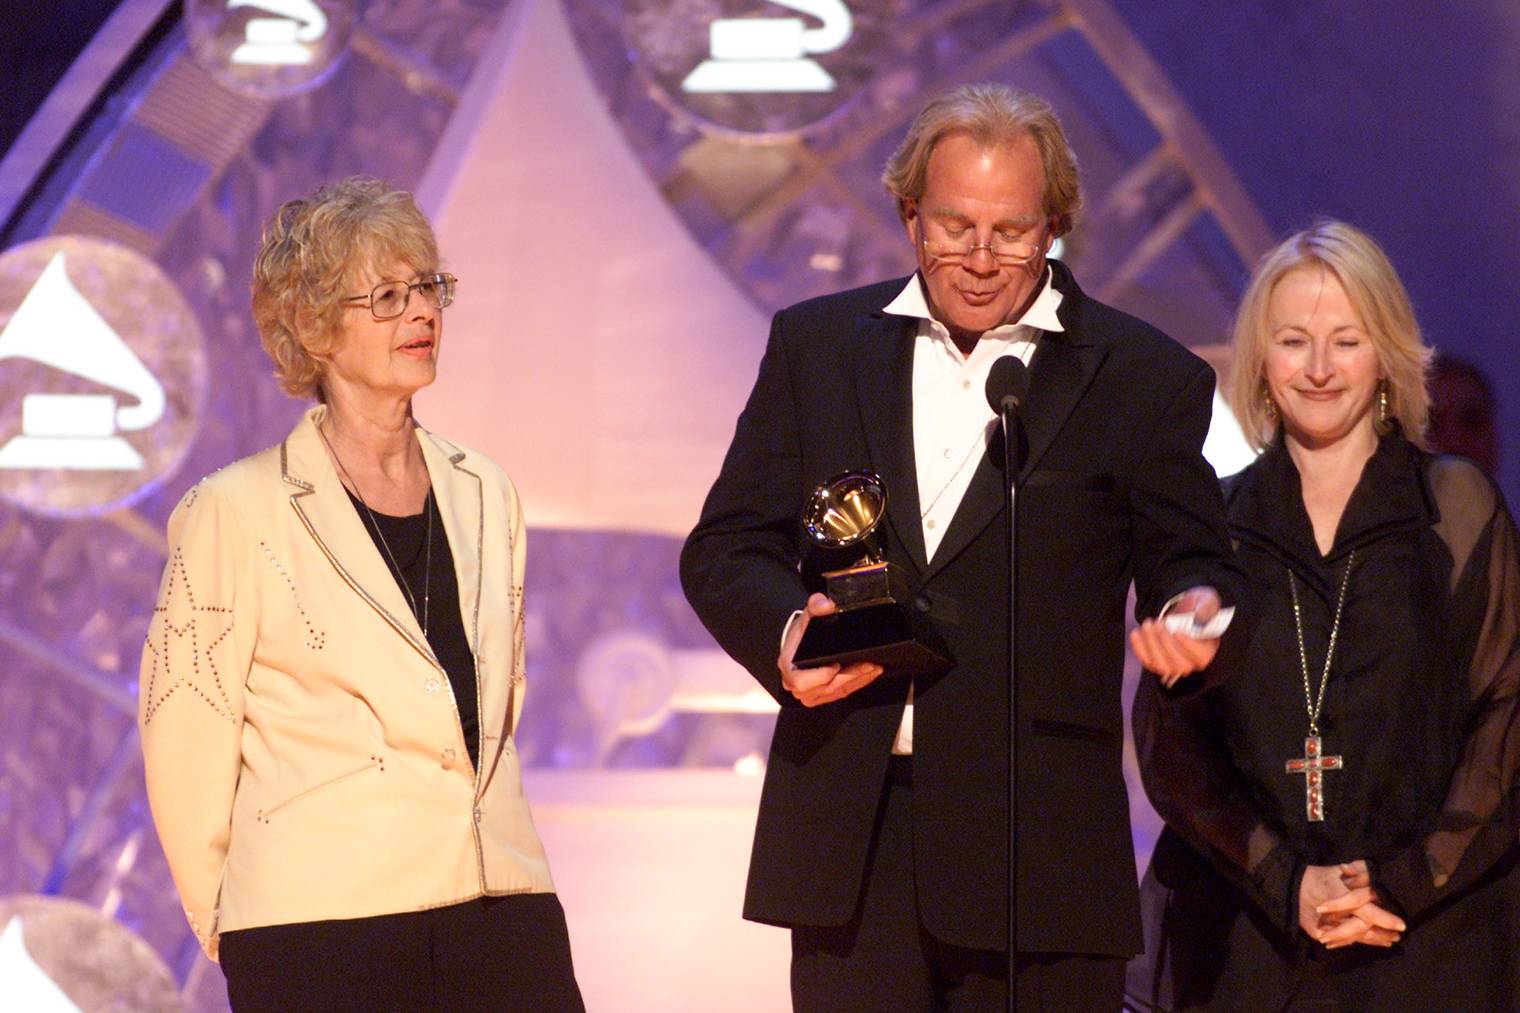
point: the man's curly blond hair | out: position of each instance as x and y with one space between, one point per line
312 251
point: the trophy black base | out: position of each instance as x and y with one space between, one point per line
900 640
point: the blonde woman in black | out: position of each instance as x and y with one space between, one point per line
1341 813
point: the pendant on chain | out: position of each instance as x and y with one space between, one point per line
1312 765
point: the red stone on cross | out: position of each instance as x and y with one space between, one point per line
1313 765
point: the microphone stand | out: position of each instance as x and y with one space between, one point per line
1012 431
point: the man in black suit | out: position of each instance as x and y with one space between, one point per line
882 838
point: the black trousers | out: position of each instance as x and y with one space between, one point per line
884 961
491 953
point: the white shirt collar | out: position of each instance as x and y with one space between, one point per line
1041 314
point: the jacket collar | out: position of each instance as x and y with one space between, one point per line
1043 312
323 506
1267 505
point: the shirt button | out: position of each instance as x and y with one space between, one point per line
447 756
930 525
965 385
476 813
948 452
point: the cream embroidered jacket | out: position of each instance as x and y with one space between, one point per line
303 751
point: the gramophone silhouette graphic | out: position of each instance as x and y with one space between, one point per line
56 326
285 41
24 983
771 54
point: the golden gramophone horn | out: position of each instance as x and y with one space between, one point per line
846 509
876 618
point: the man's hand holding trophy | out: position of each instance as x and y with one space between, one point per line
868 623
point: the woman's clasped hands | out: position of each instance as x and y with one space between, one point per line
1338 906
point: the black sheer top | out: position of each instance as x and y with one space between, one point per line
407 541
1421 703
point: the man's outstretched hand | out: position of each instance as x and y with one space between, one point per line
1173 656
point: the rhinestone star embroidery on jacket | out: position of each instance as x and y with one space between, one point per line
184 639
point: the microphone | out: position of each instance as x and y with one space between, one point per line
1007 384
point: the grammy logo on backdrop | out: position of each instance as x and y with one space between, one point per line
269 49
102 376
59 955
56 326
772 54
22 981
290 40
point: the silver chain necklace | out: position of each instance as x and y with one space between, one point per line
427 564
1314 763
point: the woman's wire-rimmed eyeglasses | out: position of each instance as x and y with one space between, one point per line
389 299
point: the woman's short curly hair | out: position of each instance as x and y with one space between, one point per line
993 114
311 251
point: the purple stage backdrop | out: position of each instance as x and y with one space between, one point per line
625 203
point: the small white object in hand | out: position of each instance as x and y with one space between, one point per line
1186 624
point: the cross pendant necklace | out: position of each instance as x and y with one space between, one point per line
1313 764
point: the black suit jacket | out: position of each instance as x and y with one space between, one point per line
1114 488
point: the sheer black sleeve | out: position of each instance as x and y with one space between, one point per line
1178 522
1194 786
1479 819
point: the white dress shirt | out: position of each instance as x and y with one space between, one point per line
952 420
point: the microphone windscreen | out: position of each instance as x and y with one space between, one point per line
1009 377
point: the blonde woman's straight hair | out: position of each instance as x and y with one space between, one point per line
1377 295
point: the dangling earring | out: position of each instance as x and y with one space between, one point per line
1268 405
1382 398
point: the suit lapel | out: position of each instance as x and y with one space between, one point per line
461 503
322 505
1064 365
982 502
883 353
460 498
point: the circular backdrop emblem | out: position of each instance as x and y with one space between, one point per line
770 68
102 376
270 48
61 956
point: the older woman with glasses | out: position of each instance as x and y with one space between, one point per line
1342 813
334 669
